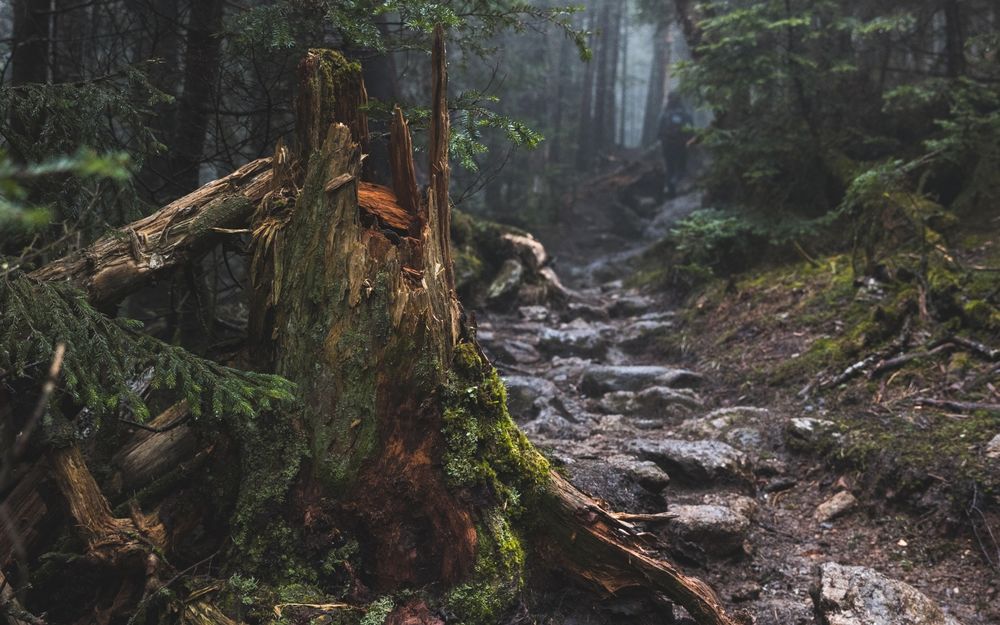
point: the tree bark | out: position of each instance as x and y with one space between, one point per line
118 264
30 64
201 71
657 87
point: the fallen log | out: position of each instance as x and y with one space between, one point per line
121 262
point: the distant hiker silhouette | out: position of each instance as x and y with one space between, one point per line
675 136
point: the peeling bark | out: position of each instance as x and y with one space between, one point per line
127 259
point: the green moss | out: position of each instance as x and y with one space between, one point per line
487 452
498 576
981 314
378 611
484 446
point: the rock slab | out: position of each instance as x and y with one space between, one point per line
855 595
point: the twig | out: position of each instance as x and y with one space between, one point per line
962 406
983 350
899 361
974 507
658 517
43 401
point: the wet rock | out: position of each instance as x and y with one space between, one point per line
513 351
807 432
993 448
710 529
835 506
630 306
600 379
533 313
855 595
578 338
508 280
527 396
624 482
697 462
640 335
784 612
664 402
585 311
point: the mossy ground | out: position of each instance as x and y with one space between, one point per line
775 333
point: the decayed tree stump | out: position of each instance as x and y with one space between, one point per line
412 451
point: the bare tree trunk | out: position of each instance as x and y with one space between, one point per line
658 76
201 71
622 131
603 84
954 39
584 152
30 63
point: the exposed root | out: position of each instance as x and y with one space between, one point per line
588 542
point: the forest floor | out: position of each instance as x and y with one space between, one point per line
693 407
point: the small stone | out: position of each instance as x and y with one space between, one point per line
806 432
779 484
618 402
578 338
710 529
533 313
630 306
834 507
749 591
993 448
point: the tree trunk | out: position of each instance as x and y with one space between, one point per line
603 85
584 151
30 64
658 76
201 70
412 447
954 39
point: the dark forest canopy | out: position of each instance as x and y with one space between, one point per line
237 381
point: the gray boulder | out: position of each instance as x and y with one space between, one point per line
710 529
855 595
527 396
696 462
578 338
600 379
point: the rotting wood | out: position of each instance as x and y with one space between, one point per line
121 262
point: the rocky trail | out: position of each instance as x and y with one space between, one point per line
713 476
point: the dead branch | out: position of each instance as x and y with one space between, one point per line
121 262
890 364
960 406
978 348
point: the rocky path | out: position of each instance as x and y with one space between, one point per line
742 510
